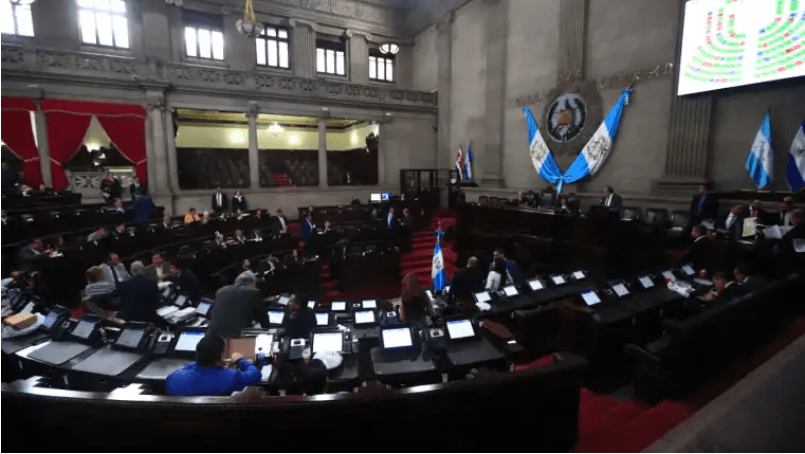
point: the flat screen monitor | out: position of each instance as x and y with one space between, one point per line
646 282
558 279
620 290
203 308
364 317
535 284
84 328
328 342
166 292
579 275
180 301
187 341
668 275
376 197
50 320
322 318
370 304
130 338
510 291
731 44
482 297
339 306
460 329
591 298
397 338
276 317
386 196
311 304
284 300
688 270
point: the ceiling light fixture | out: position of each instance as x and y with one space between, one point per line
389 48
248 26
275 128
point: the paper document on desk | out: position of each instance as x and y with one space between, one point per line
483 306
265 372
799 246
773 232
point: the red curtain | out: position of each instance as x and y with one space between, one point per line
18 135
68 122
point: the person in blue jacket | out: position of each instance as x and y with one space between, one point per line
208 376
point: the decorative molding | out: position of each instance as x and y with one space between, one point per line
631 78
303 23
12 55
87 62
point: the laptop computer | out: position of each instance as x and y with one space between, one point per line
580 275
510 291
311 304
590 298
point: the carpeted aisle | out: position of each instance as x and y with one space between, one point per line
419 260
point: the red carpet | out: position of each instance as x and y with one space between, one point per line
281 180
419 260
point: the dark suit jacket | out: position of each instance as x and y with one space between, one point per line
699 253
135 190
224 202
386 220
299 324
788 259
151 270
737 226
235 308
514 272
615 205
239 204
307 232
464 283
188 283
709 209
139 299
142 208
275 226
27 258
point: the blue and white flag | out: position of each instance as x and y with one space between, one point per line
437 271
760 162
795 171
541 156
459 164
468 164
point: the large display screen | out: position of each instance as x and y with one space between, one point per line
728 43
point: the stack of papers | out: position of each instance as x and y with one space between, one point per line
483 306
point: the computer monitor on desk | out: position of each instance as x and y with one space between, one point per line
460 329
184 345
396 338
276 317
328 341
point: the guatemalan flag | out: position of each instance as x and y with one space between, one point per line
437 271
468 164
459 164
760 162
795 172
541 156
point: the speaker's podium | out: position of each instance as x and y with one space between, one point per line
603 214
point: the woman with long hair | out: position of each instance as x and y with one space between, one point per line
416 305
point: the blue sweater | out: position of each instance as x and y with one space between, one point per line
195 380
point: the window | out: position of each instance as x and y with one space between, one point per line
203 35
103 23
331 55
272 47
381 67
17 19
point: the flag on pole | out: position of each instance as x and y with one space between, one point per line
760 162
541 156
468 164
795 171
437 271
459 164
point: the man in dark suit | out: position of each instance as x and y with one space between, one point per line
238 238
279 223
10 179
11 232
142 208
220 203
731 225
307 230
139 296
185 280
159 269
789 260
236 306
704 206
270 264
611 200
699 252
783 217
763 217
465 282
747 280
136 189
511 266
355 200
30 256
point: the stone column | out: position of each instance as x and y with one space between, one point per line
254 159
41 136
304 48
358 57
444 49
156 150
497 30
323 116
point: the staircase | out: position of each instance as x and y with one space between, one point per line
281 180
419 260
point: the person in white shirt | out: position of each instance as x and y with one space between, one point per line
729 223
611 200
114 270
783 218
499 276
391 218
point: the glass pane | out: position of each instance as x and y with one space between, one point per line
190 41
320 64
86 21
272 53
284 55
218 45
271 31
331 61
25 23
118 6
102 4
381 69
85 3
204 44
390 70
340 63
104 22
283 33
7 17
261 51
373 67
121 30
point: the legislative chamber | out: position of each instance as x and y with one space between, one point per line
396 225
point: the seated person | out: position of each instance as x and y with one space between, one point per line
99 292
563 206
748 280
296 257
415 306
117 207
158 269
788 259
114 271
121 232
355 200
238 238
499 277
246 266
466 282
139 296
731 225
208 376
97 236
218 243
191 217
724 290
307 379
300 319
699 252
256 235
185 280
270 264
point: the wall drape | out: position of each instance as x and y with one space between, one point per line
18 135
68 122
